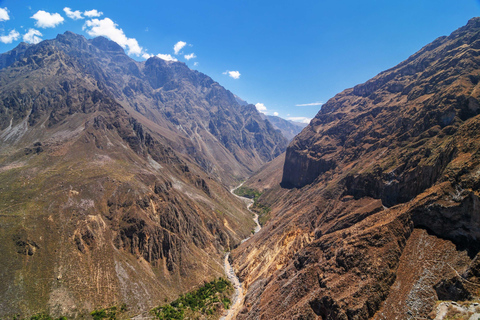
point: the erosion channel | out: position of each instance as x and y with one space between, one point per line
232 277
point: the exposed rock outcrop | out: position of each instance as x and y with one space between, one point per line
381 183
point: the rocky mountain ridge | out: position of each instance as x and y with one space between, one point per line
377 215
114 177
188 109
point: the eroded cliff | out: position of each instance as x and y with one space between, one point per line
383 180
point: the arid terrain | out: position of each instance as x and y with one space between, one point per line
116 179
376 213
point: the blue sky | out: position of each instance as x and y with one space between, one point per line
285 56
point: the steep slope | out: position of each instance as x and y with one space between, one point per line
101 204
190 111
378 214
268 176
288 128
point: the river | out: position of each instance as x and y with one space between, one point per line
239 294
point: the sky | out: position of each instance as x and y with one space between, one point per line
286 57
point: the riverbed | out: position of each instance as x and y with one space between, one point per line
239 294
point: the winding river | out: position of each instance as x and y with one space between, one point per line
239 294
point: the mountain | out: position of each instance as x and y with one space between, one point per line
115 177
377 214
288 128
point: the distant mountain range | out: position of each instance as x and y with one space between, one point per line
288 128
115 177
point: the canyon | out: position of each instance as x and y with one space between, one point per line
116 182
115 177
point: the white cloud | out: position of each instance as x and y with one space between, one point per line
46 19
92 13
310 104
12 36
109 29
166 57
275 114
261 108
147 56
75 15
32 36
190 56
178 46
300 119
233 74
4 14
195 64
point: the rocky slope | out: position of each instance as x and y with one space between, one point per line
377 215
190 111
288 128
114 176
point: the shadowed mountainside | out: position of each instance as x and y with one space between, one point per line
378 213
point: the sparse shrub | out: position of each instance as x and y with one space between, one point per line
202 301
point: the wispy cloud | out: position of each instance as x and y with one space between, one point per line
275 114
4 14
92 13
107 28
195 64
233 74
47 19
75 15
9 38
190 56
179 46
300 119
319 103
32 36
261 107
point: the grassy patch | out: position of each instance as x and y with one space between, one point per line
205 302
247 193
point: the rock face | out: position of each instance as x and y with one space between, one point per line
114 176
378 212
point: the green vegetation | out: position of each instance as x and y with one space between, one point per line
108 313
206 301
262 210
248 193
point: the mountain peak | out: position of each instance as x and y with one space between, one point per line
105 44
71 38
473 23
